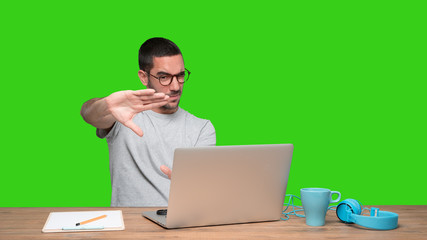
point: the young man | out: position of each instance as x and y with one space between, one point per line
144 127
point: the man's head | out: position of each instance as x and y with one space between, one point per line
159 59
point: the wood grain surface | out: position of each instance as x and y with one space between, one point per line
27 223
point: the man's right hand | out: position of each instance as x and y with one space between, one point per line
124 105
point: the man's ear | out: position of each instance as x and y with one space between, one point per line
143 77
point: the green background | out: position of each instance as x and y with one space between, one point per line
344 81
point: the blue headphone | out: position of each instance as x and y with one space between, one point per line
349 211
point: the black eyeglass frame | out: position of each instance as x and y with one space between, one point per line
172 76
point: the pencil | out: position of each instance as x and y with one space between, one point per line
91 220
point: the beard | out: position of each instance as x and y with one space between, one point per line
168 106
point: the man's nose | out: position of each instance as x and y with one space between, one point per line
174 86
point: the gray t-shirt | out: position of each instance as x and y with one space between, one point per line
135 161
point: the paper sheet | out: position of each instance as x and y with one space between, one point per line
58 220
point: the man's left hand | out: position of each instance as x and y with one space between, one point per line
166 171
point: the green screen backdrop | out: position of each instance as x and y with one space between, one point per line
344 81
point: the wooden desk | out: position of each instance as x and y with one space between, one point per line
27 223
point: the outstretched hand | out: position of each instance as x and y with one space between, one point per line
124 105
166 171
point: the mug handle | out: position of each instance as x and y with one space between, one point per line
338 198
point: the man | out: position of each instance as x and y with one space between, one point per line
144 127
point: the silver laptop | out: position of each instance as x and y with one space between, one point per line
226 185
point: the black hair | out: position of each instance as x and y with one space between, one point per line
155 47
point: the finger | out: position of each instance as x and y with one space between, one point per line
135 128
155 105
166 171
154 101
144 106
144 92
154 96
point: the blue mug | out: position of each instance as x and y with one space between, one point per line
315 202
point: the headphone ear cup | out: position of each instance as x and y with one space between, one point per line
357 207
346 208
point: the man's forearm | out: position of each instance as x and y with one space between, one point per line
96 113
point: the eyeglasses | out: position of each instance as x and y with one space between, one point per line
166 79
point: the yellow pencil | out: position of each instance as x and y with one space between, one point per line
91 220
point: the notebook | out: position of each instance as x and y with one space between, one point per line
66 221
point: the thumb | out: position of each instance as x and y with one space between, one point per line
166 171
135 128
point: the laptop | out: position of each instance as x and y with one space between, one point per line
226 185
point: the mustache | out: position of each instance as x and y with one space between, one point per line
174 93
